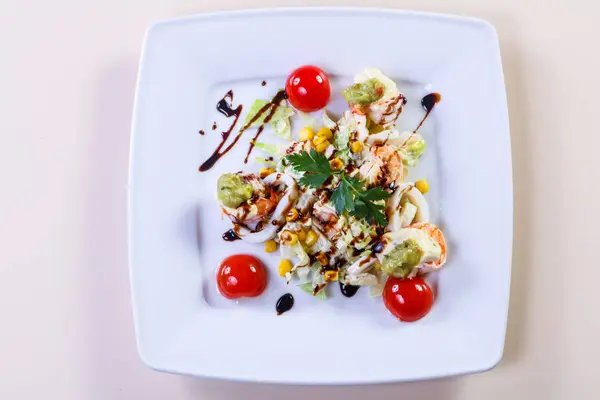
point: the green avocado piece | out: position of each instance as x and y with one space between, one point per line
400 261
365 93
232 190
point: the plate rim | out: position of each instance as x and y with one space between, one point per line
244 13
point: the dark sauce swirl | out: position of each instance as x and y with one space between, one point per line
230 236
225 107
285 303
271 108
428 102
348 290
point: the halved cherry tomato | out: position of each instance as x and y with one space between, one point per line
308 88
241 275
407 299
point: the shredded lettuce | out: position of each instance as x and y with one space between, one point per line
308 120
303 273
412 151
331 124
321 245
263 160
295 251
377 290
280 121
322 295
282 166
341 140
309 288
271 149
362 279
359 234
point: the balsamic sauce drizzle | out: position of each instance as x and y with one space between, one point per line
348 290
230 236
271 107
428 102
225 107
285 303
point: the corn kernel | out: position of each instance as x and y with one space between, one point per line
319 139
291 215
288 237
322 258
325 132
356 146
311 238
321 147
422 185
270 246
264 172
306 134
301 235
331 276
285 266
336 164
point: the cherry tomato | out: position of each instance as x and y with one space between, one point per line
241 275
308 88
407 299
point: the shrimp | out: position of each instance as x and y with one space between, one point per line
254 210
392 163
384 163
258 186
436 234
386 111
277 219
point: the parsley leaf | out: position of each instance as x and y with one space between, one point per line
342 198
350 194
354 183
375 214
313 180
371 212
314 162
376 193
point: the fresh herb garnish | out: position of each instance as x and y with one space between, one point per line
350 193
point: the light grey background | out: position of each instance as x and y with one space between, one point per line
67 76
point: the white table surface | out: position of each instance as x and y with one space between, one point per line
67 74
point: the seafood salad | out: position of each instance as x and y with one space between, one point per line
333 200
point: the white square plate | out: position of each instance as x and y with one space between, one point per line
175 228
